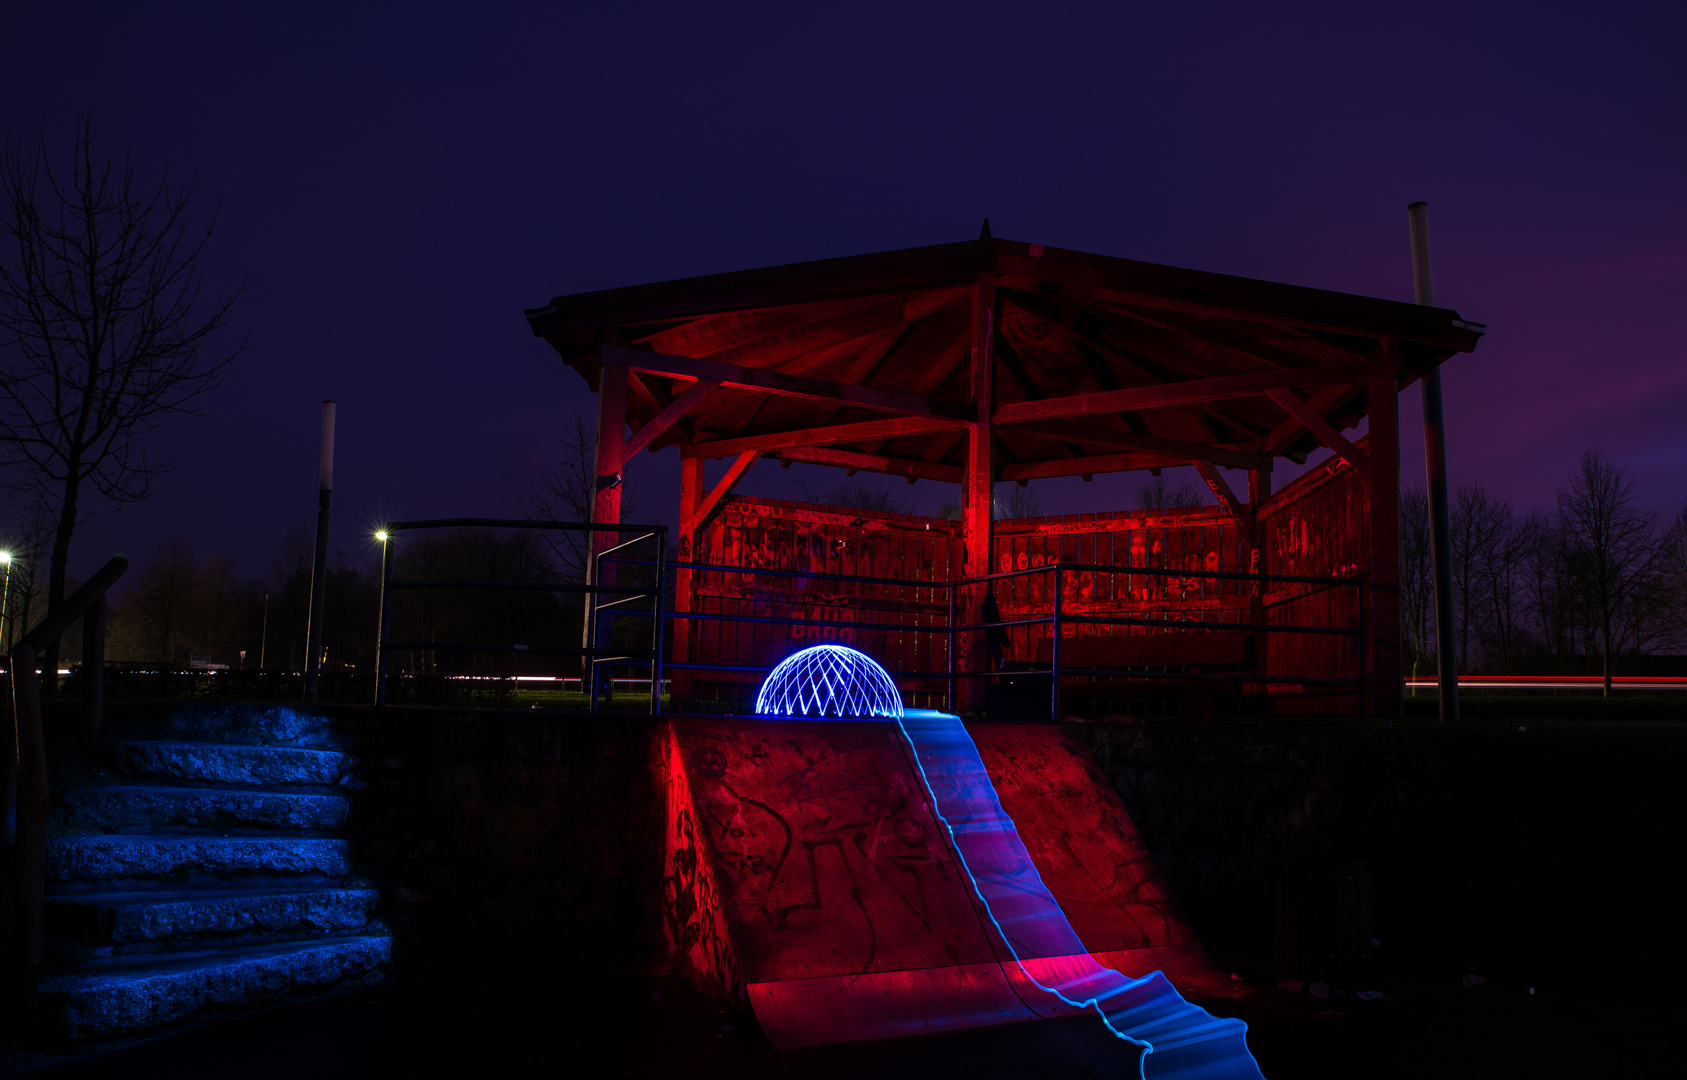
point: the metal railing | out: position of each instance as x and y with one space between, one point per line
1057 619
26 773
590 652
600 655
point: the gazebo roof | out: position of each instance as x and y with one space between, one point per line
1101 364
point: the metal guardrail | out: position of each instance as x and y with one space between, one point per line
28 784
1057 619
590 651
598 657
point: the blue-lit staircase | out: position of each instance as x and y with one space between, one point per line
209 876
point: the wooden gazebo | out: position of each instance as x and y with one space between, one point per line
995 360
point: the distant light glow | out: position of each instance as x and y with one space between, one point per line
830 681
381 536
5 558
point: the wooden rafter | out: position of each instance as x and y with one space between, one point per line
1328 435
1080 433
1079 466
839 433
716 499
666 418
774 382
1227 499
847 459
1239 346
1190 392
1289 431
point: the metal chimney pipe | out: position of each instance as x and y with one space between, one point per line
319 564
1435 466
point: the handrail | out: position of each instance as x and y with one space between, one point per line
26 775
591 652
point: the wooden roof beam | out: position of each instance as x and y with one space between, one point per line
841 433
1329 436
665 419
1227 499
1086 466
715 500
1082 433
1249 349
879 463
1289 431
774 382
1191 392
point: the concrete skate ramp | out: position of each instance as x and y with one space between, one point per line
807 872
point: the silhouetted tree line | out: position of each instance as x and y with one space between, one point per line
1581 588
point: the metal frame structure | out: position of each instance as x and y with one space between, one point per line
590 650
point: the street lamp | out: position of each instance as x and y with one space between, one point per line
6 602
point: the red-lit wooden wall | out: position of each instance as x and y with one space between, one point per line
799 537
1319 526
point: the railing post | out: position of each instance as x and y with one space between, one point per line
93 668
589 665
1360 643
656 635
1054 653
951 649
29 901
383 619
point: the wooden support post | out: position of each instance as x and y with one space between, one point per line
689 550
977 518
1384 638
606 502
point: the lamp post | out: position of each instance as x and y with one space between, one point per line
319 565
6 604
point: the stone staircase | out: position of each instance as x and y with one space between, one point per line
207 876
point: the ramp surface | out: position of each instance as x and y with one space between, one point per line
1179 1039
808 871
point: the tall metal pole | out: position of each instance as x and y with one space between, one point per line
319 565
1435 464
263 635
6 605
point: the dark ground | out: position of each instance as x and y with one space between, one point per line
588 1023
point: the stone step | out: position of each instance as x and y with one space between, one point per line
231 763
87 858
121 996
248 722
124 917
128 807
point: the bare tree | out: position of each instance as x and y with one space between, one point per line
1612 541
1019 502
1673 566
159 605
1479 519
1156 494
102 326
1417 573
1502 568
856 496
566 491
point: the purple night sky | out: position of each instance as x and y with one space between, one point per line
398 183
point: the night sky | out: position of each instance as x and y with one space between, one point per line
398 182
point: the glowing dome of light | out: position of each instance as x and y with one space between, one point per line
829 681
